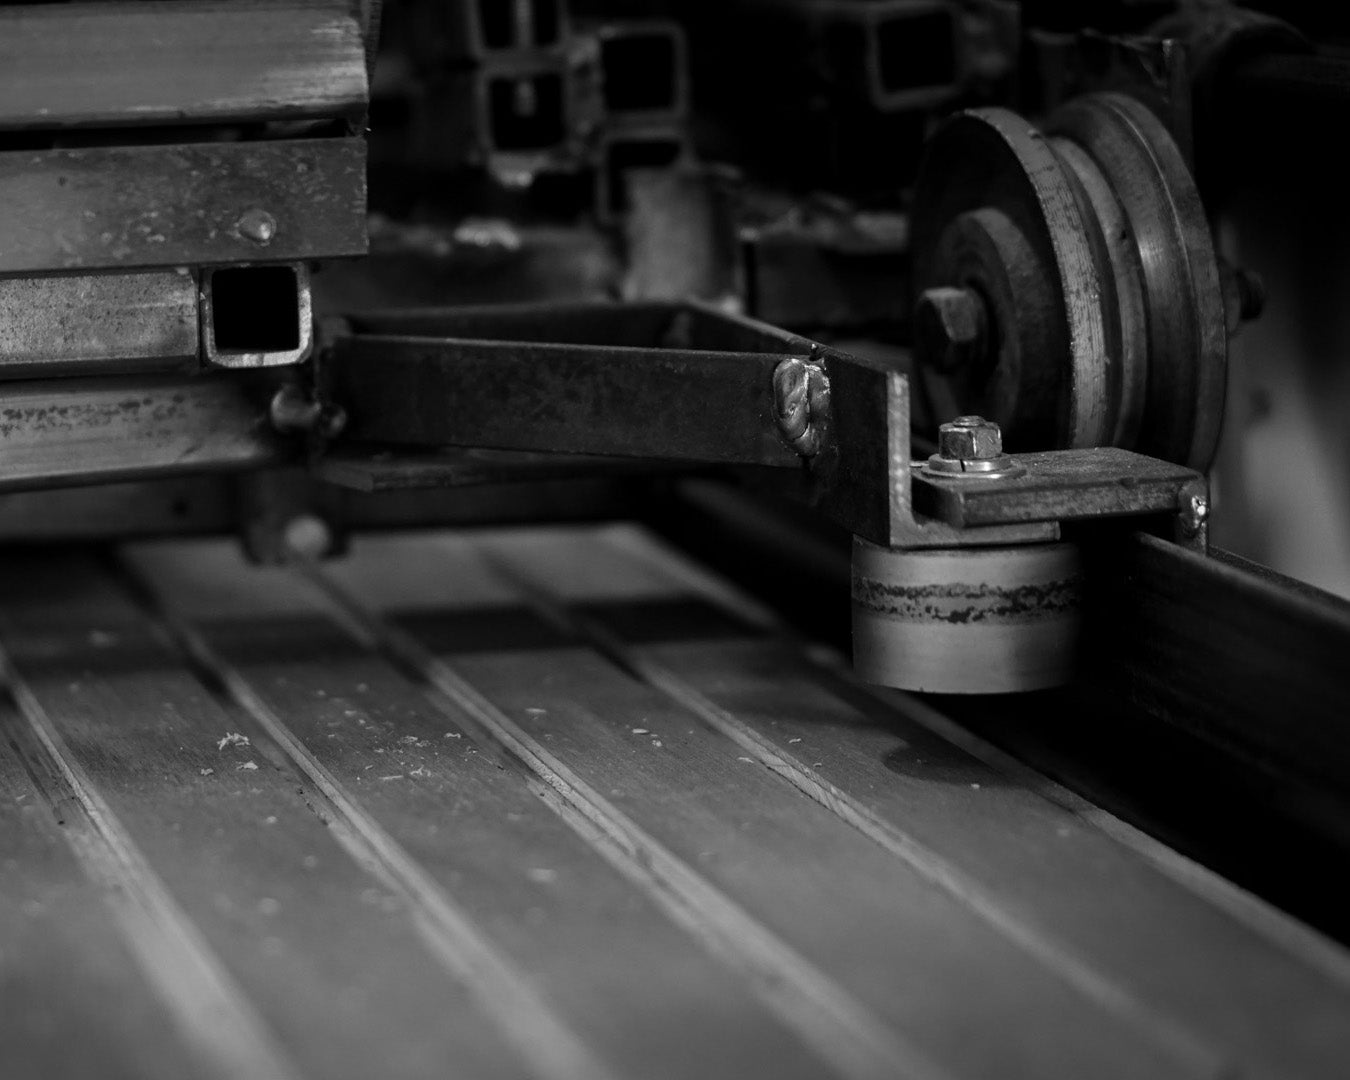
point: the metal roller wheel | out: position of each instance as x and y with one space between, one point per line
1067 282
993 620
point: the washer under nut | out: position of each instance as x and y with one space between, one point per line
971 446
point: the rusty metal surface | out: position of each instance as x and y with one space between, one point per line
991 620
1228 650
178 506
77 324
120 65
382 471
648 325
86 430
1060 485
670 381
594 399
125 207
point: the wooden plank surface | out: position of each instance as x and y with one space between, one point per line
320 951
64 965
1002 847
556 803
914 960
603 953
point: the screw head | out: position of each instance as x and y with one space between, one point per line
258 226
951 327
970 438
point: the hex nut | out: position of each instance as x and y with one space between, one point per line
970 438
950 327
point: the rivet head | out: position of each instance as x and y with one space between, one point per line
258 226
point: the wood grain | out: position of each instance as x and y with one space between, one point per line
322 949
929 966
603 954
553 802
64 964
1174 958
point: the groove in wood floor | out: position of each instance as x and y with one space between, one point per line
1228 976
321 949
896 910
211 1012
1202 1055
551 1049
606 955
1312 948
840 1029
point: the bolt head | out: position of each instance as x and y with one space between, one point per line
970 438
950 327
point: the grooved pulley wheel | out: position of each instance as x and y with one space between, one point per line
1085 246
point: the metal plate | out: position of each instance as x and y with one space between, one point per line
85 65
141 206
1060 485
76 324
89 430
667 403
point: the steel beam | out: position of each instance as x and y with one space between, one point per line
680 404
1225 649
154 206
75 431
74 324
123 65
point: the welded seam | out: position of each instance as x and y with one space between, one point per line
840 1029
551 1050
1187 1047
210 1010
1300 940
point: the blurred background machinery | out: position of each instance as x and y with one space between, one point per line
764 159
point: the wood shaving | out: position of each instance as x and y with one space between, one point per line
233 738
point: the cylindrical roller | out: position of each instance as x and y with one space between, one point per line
966 621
